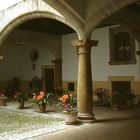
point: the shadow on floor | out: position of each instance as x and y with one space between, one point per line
118 119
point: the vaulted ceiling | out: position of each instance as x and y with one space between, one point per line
83 9
45 25
130 13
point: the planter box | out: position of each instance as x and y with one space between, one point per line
3 101
70 118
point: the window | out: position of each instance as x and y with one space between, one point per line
122 46
70 86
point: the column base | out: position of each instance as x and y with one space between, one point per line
86 118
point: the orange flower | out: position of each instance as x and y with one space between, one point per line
39 97
42 93
34 97
64 98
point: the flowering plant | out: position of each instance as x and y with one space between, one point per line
20 97
116 98
68 102
41 98
130 96
2 94
123 98
59 91
100 92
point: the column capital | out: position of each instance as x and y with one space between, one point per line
84 43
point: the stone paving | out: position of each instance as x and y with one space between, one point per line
110 125
52 127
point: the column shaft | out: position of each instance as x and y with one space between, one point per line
84 85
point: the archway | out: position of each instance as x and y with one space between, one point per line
18 29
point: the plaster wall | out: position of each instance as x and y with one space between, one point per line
101 69
70 59
17 62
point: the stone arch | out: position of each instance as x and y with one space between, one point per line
71 15
26 17
106 11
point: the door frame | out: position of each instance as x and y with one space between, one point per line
121 78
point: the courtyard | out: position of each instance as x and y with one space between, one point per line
120 124
83 48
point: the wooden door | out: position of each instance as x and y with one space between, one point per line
121 86
49 79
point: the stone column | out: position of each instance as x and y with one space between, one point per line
58 72
84 83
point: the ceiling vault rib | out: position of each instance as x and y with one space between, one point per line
66 12
72 11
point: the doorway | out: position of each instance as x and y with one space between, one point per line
121 86
49 77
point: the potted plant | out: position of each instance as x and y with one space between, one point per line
41 99
3 98
69 105
130 97
21 98
102 94
115 100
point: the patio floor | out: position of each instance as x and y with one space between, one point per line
110 125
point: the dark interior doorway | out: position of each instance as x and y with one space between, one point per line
121 86
49 79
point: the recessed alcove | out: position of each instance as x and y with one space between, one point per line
121 83
121 86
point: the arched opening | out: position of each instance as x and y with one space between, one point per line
32 50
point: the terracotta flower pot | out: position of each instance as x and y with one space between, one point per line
42 108
3 102
70 118
21 105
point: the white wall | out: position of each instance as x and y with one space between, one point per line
99 57
10 64
17 62
101 68
70 58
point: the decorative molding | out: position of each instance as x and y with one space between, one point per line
87 42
